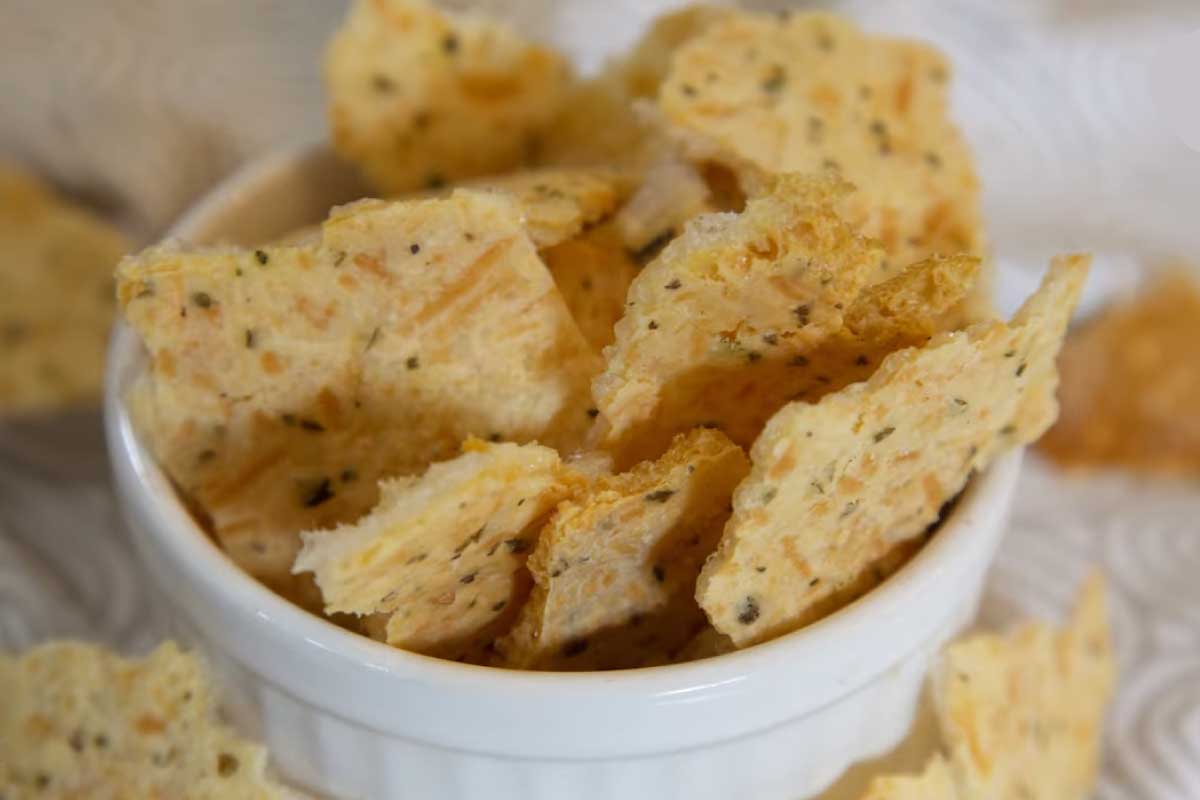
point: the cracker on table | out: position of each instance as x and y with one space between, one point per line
285 382
593 272
419 98
709 322
79 721
836 484
809 91
56 297
1021 715
1130 389
442 557
615 569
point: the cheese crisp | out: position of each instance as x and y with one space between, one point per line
78 721
56 300
442 556
615 570
809 91
836 484
418 98
284 382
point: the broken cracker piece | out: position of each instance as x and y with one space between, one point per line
615 570
809 91
671 193
419 98
1022 715
56 297
935 783
647 64
1130 390
79 721
724 304
836 484
286 381
442 557
593 272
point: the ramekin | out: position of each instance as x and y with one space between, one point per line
348 717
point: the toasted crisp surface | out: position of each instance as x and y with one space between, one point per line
56 297
615 569
284 382
1130 390
934 783
810 91
593 272
671 193
1022 715
442 556
81 722
724 308
836 484
642 70
418 97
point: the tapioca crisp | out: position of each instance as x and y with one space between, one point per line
593 272
419 98
711 318
441 559
838 483
56 297
284 382
1022 715
79 721
615 569
803 92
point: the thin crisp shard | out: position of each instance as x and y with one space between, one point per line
872 464
1022 715
810 91
56 300
1130 389
78 721
442 557
593 272
934 783
722 311
286 381
615 570
671 193
419 98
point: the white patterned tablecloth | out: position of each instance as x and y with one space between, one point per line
1076 109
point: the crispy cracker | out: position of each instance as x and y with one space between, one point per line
419 98
56 297
443 556
935 783
593 272
642 70
1021 715
286 381
1130 389
671 193
615 570
725 309
810 91
836 484
79 721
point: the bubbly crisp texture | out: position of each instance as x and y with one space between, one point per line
418 98
593 272
1130 388
744 313
81 722
442 556
809 91
1021 715
284 382
56 297
615 570
836 484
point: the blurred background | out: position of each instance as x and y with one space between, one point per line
1083 118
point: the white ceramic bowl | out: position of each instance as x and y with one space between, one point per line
349 717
